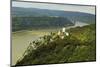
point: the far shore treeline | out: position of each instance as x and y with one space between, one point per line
27 23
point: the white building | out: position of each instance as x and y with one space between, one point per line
63 33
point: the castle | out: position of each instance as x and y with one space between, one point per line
62 33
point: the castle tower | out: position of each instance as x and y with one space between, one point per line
63 29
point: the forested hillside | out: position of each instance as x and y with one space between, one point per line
33 12
79 46
27 23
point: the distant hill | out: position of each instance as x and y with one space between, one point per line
75 16
79 46
44 22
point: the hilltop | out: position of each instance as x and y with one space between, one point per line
79 45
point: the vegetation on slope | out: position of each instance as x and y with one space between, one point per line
79 46
72 15
24 23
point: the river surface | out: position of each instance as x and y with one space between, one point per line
21 40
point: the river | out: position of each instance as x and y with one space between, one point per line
21 40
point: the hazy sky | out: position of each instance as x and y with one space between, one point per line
86 9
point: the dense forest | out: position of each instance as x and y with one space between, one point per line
27 23
79 46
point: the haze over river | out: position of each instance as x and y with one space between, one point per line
21 40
